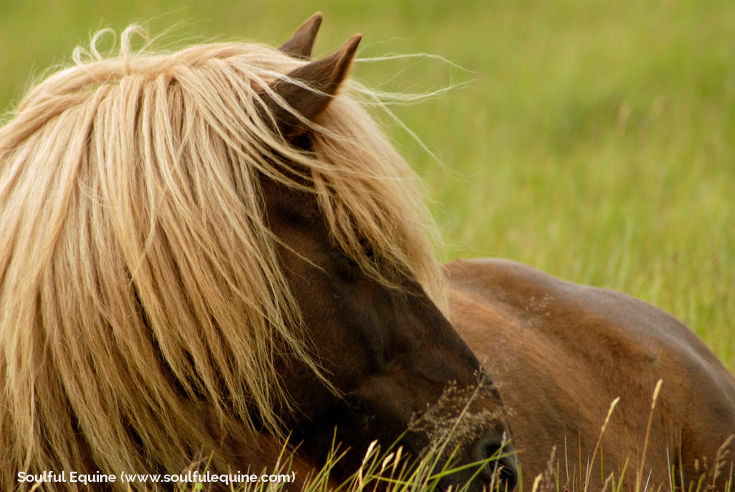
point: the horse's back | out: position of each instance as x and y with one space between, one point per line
561 353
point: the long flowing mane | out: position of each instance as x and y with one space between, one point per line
137 273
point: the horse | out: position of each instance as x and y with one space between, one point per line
210 252
603 391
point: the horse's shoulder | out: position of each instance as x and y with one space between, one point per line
599 340
571 324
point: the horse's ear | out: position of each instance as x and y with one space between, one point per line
302 41
318 82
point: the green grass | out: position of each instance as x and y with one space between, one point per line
391 470
596 140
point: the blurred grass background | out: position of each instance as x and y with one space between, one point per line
595 140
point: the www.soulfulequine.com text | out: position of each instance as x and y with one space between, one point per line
65 476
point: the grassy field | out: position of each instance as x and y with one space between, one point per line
594 140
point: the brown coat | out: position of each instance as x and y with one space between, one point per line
560 353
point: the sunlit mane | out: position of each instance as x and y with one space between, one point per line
136 270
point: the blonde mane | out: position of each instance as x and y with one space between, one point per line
137 274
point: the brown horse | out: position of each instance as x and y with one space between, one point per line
561 353
206 251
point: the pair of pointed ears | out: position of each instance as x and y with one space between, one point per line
318 81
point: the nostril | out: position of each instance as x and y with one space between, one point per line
503 465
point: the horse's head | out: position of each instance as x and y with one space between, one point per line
400 370
215 242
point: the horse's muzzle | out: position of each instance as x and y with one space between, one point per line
502 471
